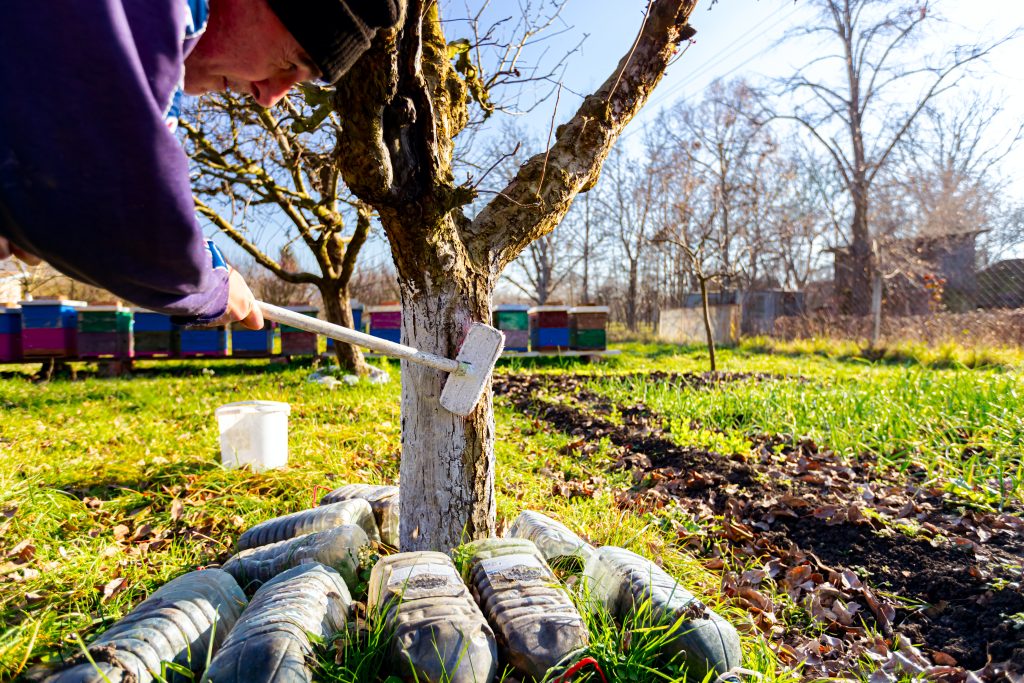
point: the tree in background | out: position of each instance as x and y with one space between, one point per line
948 171
861 114
627 200
404 104
258 166
266 286
688 219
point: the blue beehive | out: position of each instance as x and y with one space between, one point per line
253 342
10 320
357 316
386 322
154 334
389 334
549 328
204 342
10 334
49 327
550 338
150 321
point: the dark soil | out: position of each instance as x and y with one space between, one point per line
861 550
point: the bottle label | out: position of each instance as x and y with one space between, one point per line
509 571
425 581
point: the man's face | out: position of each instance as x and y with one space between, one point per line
247 49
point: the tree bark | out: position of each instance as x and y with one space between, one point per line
856 300
447 469
707 322
631 295
337 310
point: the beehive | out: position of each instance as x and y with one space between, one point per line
10 334
253 343
514 322
588 328
105 332
386 322
549 328
153 334
296 342
204 343
49 328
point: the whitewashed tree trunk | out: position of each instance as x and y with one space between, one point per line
447 471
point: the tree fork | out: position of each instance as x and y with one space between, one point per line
401 108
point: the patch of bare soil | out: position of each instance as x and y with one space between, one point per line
885 569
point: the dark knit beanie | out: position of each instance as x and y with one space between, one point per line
335 33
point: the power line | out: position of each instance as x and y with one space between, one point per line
710 64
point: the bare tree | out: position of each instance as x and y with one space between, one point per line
948 167
724 145
282 159
589 240
691 224
543 267
861 115
804 220
266 286
404 105
627 198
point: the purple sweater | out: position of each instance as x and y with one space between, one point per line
91 179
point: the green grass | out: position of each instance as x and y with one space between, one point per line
85 465
963 428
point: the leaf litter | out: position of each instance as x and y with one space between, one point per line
848 567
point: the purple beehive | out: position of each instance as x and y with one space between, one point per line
386 317
49 328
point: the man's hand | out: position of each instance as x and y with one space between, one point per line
242 306
8 250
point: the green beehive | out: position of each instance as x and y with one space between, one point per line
105 319
589 340
511 319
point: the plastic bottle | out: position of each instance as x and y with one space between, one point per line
271 641
619 580
337 548
556 542
536 623
383 500
355 511
439 632
174 624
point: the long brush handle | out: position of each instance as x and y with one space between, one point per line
339 333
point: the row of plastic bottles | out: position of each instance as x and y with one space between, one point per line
445 626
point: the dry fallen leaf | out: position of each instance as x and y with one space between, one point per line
24 551
34 597
114 587
121 532
177 510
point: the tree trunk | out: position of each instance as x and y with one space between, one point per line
447 470
707 322
857 297
337 310
631 295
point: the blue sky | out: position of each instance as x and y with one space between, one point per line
741 38
737 38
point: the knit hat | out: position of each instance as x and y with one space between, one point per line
335 33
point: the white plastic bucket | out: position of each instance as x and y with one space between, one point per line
254 433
